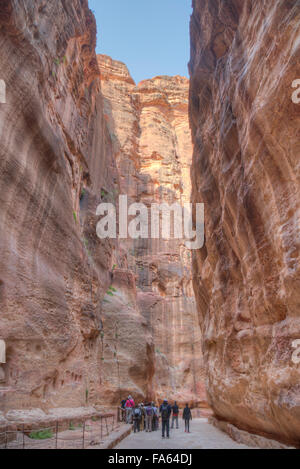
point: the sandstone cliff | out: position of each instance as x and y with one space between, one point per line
152 143
56 155
87 321
244 58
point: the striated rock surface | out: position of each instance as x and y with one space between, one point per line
244 58
85 322
56 155
127 345
149 127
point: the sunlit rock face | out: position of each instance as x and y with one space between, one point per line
56 155
149 127
127 352
86 321
244 59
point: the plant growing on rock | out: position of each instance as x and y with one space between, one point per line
111 291
41 435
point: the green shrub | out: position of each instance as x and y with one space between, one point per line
41 435
111 291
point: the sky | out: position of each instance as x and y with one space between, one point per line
150 36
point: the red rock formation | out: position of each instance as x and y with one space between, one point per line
244 58
152 142
77 331
56 156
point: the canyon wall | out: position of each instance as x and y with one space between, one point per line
87 321
56 154
149 127
245 126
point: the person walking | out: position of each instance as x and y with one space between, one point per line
137 415
149 417
129 408
155 417
123 410
175 410
123 402
165 412
143 418
187 416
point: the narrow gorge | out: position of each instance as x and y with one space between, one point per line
84 321
87 321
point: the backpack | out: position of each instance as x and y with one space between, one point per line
137 413
175 409
149 411
165 412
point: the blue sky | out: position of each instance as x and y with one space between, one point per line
150 36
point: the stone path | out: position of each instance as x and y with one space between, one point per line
202 436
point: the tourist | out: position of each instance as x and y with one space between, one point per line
123 402
187 416
175 410
155 418
137 415
143 417
149 417
165 412
129 408
123 410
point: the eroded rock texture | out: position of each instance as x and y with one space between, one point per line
152 143
56 154
244 58
86 321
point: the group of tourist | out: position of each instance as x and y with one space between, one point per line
146 417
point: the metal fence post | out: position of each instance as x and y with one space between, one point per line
83 435
56 435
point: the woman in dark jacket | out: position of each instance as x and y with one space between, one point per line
187 416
